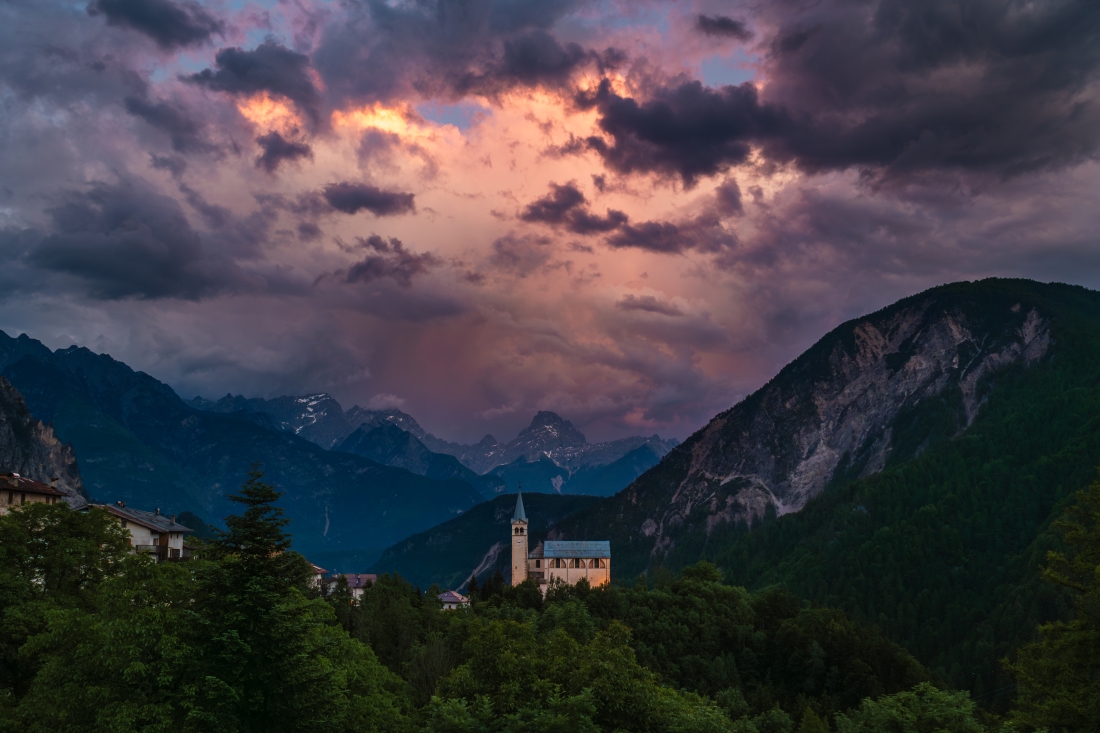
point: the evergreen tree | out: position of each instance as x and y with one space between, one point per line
1058 678
258 538
290 666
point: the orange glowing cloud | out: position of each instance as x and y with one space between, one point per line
270 113
401 121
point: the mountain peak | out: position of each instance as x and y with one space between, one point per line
547 431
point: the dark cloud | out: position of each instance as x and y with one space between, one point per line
724 26
703 234
555 206
567 206
174 164
309 232
124 241
728 196
183 130
649 304
520 256
381 51
389 258
277 149
171 24
898 88
688 130
533 59
267 68
352 198
981 85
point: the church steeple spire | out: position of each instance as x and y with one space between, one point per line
519 541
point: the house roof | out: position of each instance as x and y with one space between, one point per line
520 515
453 597
15 482
152 520
582 548
359 580
317 569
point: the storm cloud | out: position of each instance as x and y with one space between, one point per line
567 206
351 198
124 242
908 88
270 68
571 205
724 26
278 150
171 24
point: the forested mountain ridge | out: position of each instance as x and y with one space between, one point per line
941 547
136 440
31 448
875 390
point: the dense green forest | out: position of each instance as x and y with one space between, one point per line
93 638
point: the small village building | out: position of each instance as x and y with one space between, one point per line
317 575
151 532
567 561
359 582
453 600
16 490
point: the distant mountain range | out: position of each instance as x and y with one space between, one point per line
354 481
135 440
320 419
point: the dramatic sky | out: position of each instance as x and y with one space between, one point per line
631 213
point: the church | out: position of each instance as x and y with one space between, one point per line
567 561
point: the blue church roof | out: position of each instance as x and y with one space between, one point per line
562 548
520 515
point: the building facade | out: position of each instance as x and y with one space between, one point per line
151 532
358 582
453 600
16 490
566 561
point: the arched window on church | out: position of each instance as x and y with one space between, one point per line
603 564
592 563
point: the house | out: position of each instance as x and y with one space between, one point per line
16 490
452 600
568 561
318 574
151 532
358 582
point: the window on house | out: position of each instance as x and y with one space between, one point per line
11 497
23 498
538 563
124 524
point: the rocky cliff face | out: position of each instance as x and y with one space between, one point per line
30 448
835 412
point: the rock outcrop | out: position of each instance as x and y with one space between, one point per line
30 448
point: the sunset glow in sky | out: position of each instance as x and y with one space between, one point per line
629 213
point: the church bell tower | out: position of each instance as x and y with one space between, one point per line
519 543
